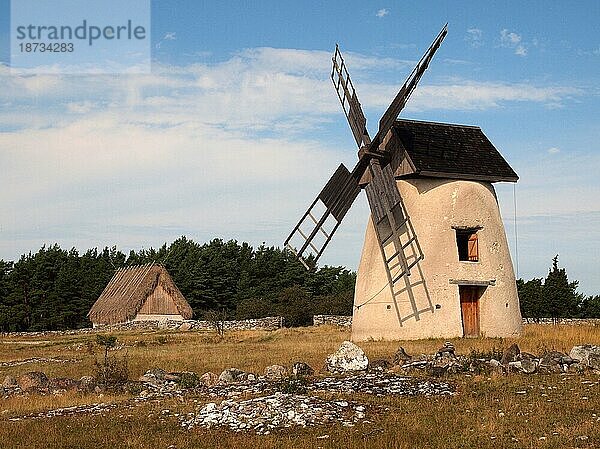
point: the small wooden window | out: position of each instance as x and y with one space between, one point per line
468 246
473 248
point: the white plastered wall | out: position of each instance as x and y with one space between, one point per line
437 207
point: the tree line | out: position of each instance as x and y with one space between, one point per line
54 288
556 297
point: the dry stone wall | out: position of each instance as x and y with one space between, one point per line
346 321
335 320
268 323
570 321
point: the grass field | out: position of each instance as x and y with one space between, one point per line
556 411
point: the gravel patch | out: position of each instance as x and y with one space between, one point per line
382 385
92 409
37 360
278 411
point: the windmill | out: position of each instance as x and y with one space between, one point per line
398 242
435 262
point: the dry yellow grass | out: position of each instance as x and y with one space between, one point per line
487 412
253 351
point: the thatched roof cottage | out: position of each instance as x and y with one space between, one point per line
140 293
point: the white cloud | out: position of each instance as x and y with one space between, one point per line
82 107
469 95
224 149
168 36
509 38
474 37
557 212
553 150
382 12
520 50
558 183
513 40
593 52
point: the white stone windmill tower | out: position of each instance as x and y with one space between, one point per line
435 261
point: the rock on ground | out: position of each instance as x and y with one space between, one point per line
10 382
587 355
348 357
448 348
401 357
62 383
302 369
443 363
32 379
209 379
235 375
529 366
552 362
153 376
381 385
275 372
379 365
510 355
594 361
87 384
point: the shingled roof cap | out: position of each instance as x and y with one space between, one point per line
452 151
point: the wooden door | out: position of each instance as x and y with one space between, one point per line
469 307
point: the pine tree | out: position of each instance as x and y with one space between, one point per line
531 298
560 296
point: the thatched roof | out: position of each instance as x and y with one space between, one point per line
126 292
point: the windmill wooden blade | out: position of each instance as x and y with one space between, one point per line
392 225
349 100
398 242
316 227
392 112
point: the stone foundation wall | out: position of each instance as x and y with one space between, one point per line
335 320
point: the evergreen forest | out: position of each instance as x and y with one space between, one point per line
54 288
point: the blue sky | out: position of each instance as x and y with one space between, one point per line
237 127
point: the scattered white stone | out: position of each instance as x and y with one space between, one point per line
265 414
37 360
381 385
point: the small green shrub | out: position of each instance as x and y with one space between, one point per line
494 353
293 385
188 380
162 339
111 373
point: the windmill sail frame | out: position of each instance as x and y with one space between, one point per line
397 239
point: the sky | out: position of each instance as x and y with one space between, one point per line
236 128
